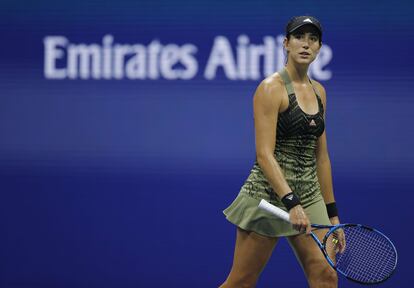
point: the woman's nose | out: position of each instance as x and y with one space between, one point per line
306 41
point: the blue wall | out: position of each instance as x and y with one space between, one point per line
110 181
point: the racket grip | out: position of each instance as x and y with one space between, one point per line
274 210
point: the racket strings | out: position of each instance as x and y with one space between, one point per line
368 256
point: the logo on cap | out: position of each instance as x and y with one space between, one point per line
308 20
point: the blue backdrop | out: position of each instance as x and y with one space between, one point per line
126 127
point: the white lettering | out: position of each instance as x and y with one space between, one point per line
280 54
323 59
189 61
154 49
120 51
269 61
111 60
221 55
52 54
135 67
170 56
84 58
107 56
255 52
242 60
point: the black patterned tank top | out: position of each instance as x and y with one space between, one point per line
295 151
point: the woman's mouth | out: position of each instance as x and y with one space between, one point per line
304 54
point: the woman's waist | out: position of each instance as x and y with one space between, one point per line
297 163
304 189
293 174
296 147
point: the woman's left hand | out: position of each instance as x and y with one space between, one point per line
339 235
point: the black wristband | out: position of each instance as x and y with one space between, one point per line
290 200
332 210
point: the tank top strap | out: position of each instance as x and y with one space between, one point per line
317 95
288 83
313 87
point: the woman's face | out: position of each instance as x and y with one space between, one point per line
303 45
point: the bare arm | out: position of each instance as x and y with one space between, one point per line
266 103
267 100
323 163
323 168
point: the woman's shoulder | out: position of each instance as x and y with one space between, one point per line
270 92
319 87
273 80
320 90
271 85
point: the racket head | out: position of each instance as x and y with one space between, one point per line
368 256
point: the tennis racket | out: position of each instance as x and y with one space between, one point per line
367 256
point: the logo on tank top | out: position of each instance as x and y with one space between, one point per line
312 123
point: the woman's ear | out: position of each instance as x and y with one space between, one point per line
285 43
320 46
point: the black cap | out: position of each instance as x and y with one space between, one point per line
299 21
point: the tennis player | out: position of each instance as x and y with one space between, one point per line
292 169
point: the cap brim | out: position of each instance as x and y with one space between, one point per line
304 24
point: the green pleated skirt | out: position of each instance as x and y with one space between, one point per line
245 213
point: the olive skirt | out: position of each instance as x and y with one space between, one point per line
245 213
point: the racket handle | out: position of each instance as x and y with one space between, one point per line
274 210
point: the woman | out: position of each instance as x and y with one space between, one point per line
292 170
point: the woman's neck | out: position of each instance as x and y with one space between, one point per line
297 73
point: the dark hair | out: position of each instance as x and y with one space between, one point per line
290 34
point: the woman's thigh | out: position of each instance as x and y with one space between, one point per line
312 260
252 251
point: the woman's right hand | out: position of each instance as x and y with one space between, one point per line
299 219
